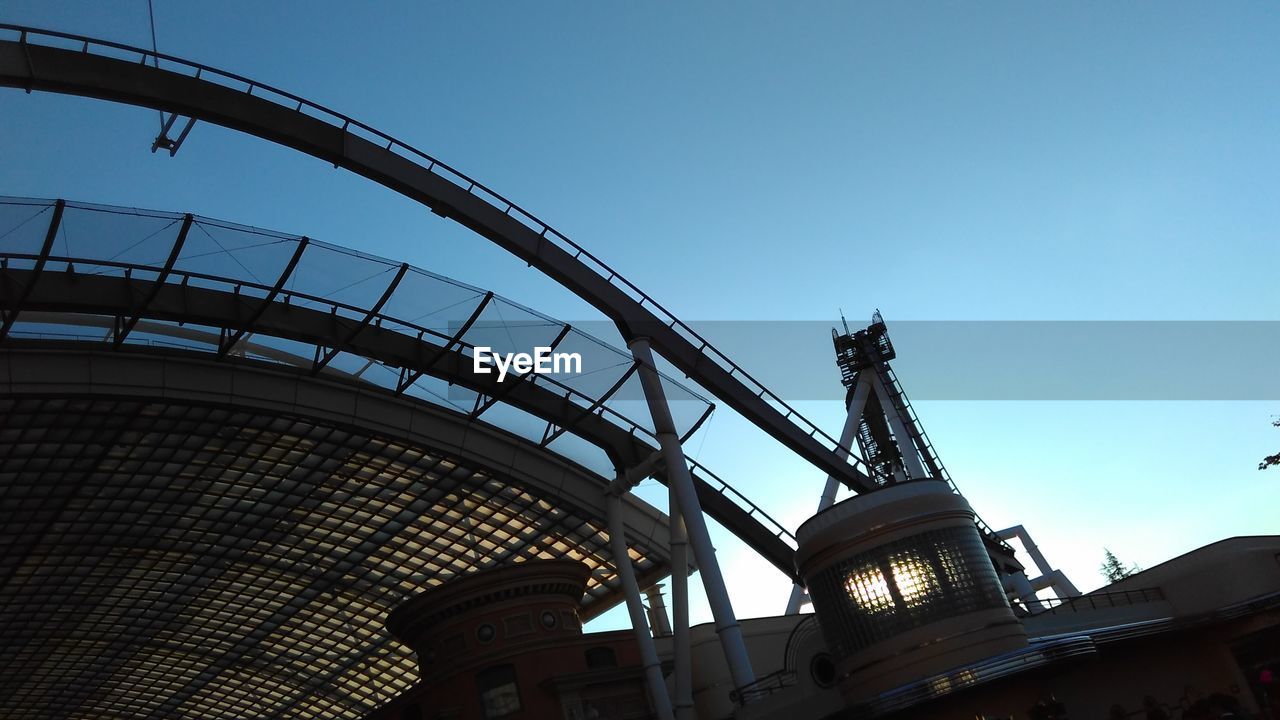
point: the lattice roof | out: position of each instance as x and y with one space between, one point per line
167 560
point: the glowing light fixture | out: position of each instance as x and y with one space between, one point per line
870 590
916 581
869 587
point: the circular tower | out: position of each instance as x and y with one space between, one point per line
492 613
903 587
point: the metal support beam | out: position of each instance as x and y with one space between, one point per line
409 377
96 296
857 405
681 647
12 315
171 144
906 444
1059 582
127 326
368 318
483 402
681 482
697 425
658 619
931 463
636 473
635 608
1021 588
435 185
225 347
595 405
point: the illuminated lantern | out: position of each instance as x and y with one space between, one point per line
903 587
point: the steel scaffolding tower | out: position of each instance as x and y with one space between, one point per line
894 445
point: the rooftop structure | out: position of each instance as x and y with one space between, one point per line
252 474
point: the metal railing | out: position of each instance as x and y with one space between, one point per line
456 177
763 687
743 501
899 397
1100 600
143 272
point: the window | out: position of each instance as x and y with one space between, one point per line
601 657
499 694
823 670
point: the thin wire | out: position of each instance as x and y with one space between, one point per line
706 430
196 256
498 309
18 227
446 307
151 13
348 286
229 254
157 232
155 52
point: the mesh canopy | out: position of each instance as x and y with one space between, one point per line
95 240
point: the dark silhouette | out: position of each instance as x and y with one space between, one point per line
1270 460
1113 570
1154 711
1048 708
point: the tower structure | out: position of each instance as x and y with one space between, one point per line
890 438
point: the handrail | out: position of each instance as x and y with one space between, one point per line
764 686
927 447
288 295
1100 600
333 305
702 347
779 531
586 407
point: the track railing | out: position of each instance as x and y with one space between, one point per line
755 511
260 292
453 175
1101 600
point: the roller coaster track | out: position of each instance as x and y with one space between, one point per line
126 293
35 59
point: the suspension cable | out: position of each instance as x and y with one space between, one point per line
155 52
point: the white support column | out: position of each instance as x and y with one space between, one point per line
1062 586
681 647
635 608
907 446
681 481
857 404
658 620
1022 589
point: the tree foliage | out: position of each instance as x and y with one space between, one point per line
1270 460
1112 569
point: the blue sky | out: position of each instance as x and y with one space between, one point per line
771 161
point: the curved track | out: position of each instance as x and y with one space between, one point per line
78 288
57 62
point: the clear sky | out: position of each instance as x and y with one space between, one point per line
777 161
